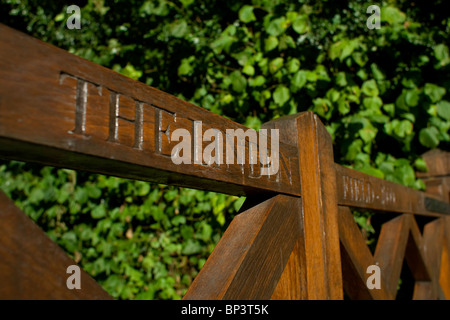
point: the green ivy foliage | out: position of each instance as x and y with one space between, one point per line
138 241
383 95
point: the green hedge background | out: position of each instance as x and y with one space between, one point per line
383 95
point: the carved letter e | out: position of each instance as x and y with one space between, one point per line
74 281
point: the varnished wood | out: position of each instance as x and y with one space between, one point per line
292 241
390 250
317 251
438 164
356 258
292 284
400 239
251 255
444 276
359 190
32 266
122 127
432 238
437 178
62 110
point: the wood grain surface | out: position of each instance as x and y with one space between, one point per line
32 266
62 110
251 255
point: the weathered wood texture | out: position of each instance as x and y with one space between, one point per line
359 190
296 239
317 249
251 255
437 178
62 110
400 239
32 266
356 257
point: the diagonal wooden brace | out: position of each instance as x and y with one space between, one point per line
32 266
251 255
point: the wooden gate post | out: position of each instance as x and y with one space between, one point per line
313 270
437 181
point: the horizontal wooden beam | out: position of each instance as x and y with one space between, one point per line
32 266
359 190
62 110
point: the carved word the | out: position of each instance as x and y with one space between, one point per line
102 113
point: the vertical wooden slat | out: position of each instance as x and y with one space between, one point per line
317 174
444 277
432 244
390 251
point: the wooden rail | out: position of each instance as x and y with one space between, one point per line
296 238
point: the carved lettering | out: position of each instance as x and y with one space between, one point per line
360 190
81 99
106 114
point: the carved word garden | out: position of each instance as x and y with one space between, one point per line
218 149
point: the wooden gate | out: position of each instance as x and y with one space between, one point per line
295 237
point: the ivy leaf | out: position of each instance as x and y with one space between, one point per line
131 72
421 165
341 79
353 149
270 43
412 97
281 95
300 24
276 64
403 128
191 247
246 14
256 82
428 137
441 53
370 88
178 29
185 67
371 171
98 212
277 26
372 103
248 70
434 92
293 65
443 109
238 81
299 79
343 106
392 15
368 133
389 108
